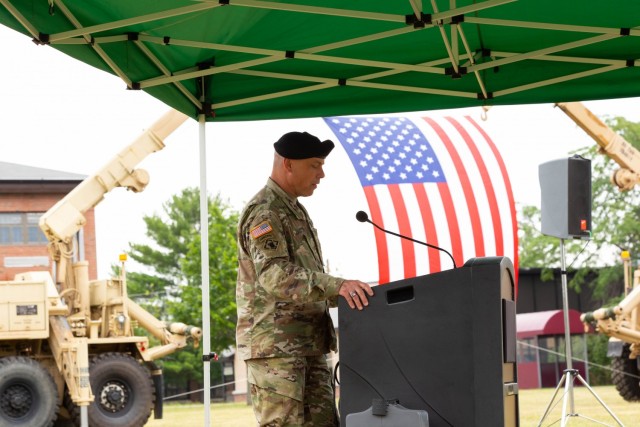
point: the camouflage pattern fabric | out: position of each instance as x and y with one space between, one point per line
283 295
292 392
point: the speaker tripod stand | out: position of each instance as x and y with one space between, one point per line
570 375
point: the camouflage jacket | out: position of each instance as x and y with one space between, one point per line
283 295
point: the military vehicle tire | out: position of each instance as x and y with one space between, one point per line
123 391
625 375
28 394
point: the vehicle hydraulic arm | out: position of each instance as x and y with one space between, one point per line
61 223
620 321
610 143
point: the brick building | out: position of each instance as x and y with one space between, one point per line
25 194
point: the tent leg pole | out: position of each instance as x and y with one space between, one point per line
84 416
204 257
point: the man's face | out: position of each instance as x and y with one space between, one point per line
306 175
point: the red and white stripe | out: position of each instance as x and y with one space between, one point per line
471 215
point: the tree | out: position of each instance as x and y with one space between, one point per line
615 224
617 212
170 285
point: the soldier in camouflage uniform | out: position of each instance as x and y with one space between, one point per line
283 294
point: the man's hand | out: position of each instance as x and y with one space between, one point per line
355 292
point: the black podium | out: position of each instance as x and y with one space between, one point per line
444 343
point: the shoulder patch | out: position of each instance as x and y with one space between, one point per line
260 230
271 245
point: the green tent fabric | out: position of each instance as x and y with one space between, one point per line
252 60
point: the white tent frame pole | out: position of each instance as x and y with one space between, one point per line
448 48
558 80
262 51
167 72
380 74
158 81
541 52
98 49
362 14
417 8
20 18
472 60
310 54
334 83
547 26
86 31
452 52
561 58
180 75
204 257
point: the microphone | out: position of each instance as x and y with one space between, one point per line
363 217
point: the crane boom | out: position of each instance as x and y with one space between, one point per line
66 217
611 143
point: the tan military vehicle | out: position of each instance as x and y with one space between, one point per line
67 343
622 322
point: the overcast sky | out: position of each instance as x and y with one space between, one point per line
58 113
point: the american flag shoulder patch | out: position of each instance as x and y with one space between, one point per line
260 230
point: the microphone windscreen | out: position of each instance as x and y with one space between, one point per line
362 216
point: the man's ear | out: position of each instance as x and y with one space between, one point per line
287 163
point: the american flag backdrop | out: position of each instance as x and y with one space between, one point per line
436 180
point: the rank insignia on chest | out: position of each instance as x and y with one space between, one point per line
260 230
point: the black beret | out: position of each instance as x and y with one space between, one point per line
302 145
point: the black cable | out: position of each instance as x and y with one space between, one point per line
429 245
582 250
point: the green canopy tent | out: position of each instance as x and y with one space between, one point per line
254 60
235 60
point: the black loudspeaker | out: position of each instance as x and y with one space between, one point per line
444 343
565 186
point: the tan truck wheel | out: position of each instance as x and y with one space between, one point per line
123 390
28 394
624 376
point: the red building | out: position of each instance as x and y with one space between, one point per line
541 349
25 194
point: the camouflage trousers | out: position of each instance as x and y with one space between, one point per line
292 392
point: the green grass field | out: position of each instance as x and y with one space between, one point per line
533 403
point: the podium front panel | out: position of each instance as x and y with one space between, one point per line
444 343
